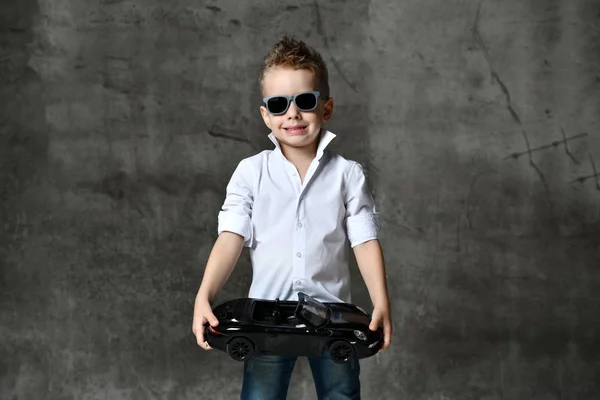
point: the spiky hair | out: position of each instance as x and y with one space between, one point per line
296 54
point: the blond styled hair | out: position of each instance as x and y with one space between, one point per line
296 54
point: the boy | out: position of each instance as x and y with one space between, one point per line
297 207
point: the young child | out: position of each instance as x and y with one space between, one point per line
299 208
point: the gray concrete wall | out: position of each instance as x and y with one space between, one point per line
477 121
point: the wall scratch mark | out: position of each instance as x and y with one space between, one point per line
554 143
564 135
218 132
494 74
595 175
508 98
535 167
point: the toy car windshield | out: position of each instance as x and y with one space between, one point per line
312 311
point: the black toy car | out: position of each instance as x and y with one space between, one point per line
305 327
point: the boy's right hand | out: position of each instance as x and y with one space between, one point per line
203 314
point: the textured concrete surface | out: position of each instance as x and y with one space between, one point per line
121 122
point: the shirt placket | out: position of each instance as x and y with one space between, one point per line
299 275
299 246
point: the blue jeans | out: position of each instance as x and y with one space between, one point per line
268 378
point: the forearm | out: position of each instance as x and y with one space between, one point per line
369 257
220 265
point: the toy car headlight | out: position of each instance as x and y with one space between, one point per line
360 335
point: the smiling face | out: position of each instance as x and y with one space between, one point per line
295 130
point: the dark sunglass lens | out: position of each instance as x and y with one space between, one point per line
306 101
277 105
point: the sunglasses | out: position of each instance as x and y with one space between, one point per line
306 101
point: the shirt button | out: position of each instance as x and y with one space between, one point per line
298 283
293 174
298 254
299 224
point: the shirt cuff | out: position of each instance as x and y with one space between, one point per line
362 228
242 225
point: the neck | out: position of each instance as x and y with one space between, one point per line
299 154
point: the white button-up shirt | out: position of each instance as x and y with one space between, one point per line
299 233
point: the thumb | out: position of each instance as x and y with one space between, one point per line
212 320
374 322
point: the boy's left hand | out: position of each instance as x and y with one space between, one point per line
382 318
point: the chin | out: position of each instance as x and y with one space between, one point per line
298 140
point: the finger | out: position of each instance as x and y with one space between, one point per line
202 340
384 346
204 344
386 343
387 336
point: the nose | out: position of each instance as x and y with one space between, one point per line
292 112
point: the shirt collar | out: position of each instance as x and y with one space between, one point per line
326 138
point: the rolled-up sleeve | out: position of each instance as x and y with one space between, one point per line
362 218
236 213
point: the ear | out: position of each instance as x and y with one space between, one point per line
328 109
265 116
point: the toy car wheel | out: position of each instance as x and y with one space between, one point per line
341 351
240 349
